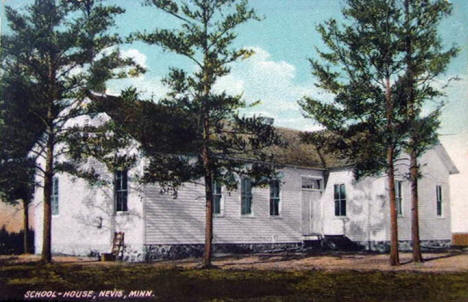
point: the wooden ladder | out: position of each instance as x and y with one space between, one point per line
117 245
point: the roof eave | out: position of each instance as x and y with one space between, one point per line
449 164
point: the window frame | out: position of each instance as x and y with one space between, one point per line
221 198
276 198
339 201
246 194
439 201
122 190
54 197
315 178
399 198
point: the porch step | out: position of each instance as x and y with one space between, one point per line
340 242
313 240
329 242
312 236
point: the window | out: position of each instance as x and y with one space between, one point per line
246 196
309 183
439 200
398 198
217 198
54 202
274 198
340 200
121 190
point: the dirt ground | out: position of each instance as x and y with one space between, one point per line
444 262
434 262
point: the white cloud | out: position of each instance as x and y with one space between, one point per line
139 57
230 84
260 77
263 65
148 87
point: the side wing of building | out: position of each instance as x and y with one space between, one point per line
85 217
360 211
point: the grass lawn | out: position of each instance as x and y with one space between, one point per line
188 284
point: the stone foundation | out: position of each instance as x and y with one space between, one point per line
405 245
133 254
179 251
152 252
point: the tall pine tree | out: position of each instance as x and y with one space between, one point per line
361 69
19 130
16 165
225 145
63 49
425 59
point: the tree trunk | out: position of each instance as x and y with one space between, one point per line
46 237
394 257
206 156
208 184
416 243
49 165
417 256
26 226
208 221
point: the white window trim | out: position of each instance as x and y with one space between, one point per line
402 198
251 214
221 205
315 178
346 201
280 205
442 212
55 178
121 212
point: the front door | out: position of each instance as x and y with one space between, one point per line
311 214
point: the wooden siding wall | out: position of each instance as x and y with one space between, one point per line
432 227
181 220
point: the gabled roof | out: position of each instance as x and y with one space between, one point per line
440 150
298 153
145 120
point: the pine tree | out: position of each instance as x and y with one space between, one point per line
425 59
16 140
225 145
361 69
63 49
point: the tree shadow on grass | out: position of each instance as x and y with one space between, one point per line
270 258
449 255
432 258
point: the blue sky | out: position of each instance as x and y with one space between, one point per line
279 74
